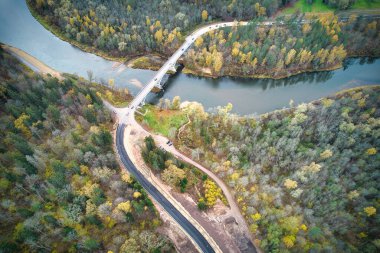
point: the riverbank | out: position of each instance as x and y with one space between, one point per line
154 61
118 97
323 136
209 159
150 61
32 61
138 61
202 72
55 30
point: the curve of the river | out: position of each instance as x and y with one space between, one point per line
18 28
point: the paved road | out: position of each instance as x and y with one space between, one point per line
173 212
127 116
128 113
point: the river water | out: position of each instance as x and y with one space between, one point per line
18 28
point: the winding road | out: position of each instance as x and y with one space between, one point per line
202 243
126 116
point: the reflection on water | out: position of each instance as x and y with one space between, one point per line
19 29
262 95
307 78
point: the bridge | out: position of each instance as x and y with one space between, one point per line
126 117
128 113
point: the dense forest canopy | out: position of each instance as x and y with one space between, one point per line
182 176
131 28
339 4
305 178
288 47
61 187
135 27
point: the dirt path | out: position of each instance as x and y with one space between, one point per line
31 61
235 211
218 229
214 226
213 222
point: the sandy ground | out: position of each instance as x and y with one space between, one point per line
171 229
32 62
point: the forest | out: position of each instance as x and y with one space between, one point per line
130 28
288 47
61 187
182 176
305 178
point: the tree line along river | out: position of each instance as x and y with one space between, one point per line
18 28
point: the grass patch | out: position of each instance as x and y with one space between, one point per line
147 62
318 6
142 62
366 4
303 7
161 122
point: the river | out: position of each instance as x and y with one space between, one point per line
18 28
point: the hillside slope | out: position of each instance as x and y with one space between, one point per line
305 178
61 187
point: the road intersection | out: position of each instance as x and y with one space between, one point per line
126 117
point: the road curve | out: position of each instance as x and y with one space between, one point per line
127 116
139 98
190 229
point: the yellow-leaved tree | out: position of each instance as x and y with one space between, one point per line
198 42
289 241
218 61
370 210
256 217
159 36
326 154
290 56
204 15
290 184
212 192
137 195
172 175
124 206
20 125
371 151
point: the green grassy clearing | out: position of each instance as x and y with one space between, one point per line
366 4
303 7
162 121
318 6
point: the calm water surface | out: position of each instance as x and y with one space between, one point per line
18 28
